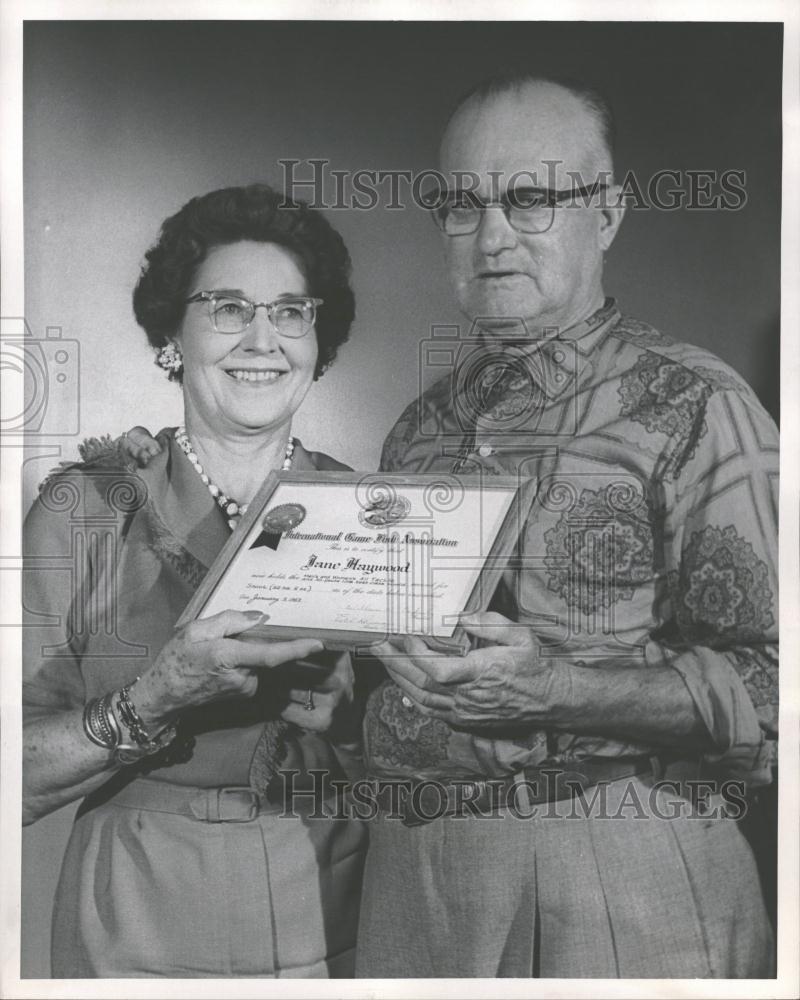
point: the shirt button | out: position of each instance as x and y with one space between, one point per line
485 450
558 357
559 377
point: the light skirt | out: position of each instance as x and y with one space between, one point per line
146 893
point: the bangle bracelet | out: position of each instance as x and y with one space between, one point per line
130 718
107 707
141 743
103 725
90 726
132 753
98 725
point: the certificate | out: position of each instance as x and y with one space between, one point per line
351 558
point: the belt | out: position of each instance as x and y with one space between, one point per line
230 804
425 801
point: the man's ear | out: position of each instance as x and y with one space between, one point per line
612 211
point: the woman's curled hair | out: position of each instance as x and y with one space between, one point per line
259 213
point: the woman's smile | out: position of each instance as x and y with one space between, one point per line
255 376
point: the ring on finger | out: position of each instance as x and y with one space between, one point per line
309 705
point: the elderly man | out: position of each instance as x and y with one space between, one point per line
590 753
632 645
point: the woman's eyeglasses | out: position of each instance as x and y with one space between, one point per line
292 316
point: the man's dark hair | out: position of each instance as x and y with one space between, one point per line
592 99
259 213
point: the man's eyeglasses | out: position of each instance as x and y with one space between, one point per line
292 316
528 210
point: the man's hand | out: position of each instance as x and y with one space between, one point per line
504 685
140 444
509 686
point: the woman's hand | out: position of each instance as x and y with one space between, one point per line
330 693
205 662
140 445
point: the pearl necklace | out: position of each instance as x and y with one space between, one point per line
229 507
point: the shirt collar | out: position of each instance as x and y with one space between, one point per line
552 364
586 333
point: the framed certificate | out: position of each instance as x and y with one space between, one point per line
351 558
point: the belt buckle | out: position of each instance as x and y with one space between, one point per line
452 805
228 805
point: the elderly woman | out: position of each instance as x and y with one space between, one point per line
179 862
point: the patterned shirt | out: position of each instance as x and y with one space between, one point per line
652 539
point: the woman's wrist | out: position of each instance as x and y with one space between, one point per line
114 723
152 710
139 730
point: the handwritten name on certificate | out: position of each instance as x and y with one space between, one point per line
321 556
